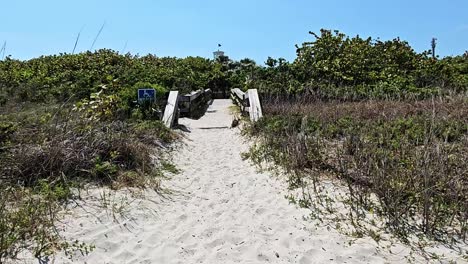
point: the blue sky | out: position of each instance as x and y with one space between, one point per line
246 28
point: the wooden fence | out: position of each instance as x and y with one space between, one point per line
187 105
248 102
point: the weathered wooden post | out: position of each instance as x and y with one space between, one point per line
170 112
255 109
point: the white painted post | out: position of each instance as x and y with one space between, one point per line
171 109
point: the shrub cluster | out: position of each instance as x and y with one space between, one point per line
332 66
336 66
77 76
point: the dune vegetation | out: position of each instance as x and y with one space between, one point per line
389 123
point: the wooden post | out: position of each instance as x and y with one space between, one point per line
171 109
255 108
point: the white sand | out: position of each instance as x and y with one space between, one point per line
220 211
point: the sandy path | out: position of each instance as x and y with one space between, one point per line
221 211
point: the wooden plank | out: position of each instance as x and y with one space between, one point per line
238 93
209 95
255 109
234 96
238 97
195 95
171 109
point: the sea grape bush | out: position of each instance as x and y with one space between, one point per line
60 77
332 66
336 66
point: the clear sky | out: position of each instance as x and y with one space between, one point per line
246 28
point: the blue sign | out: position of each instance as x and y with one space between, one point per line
146 95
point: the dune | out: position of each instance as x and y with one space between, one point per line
219 209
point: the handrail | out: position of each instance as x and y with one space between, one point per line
248 102
188 103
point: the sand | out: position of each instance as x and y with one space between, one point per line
219 209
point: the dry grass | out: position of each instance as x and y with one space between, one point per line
47 151
454 108
404 161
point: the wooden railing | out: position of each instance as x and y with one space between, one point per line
248 102
188 104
